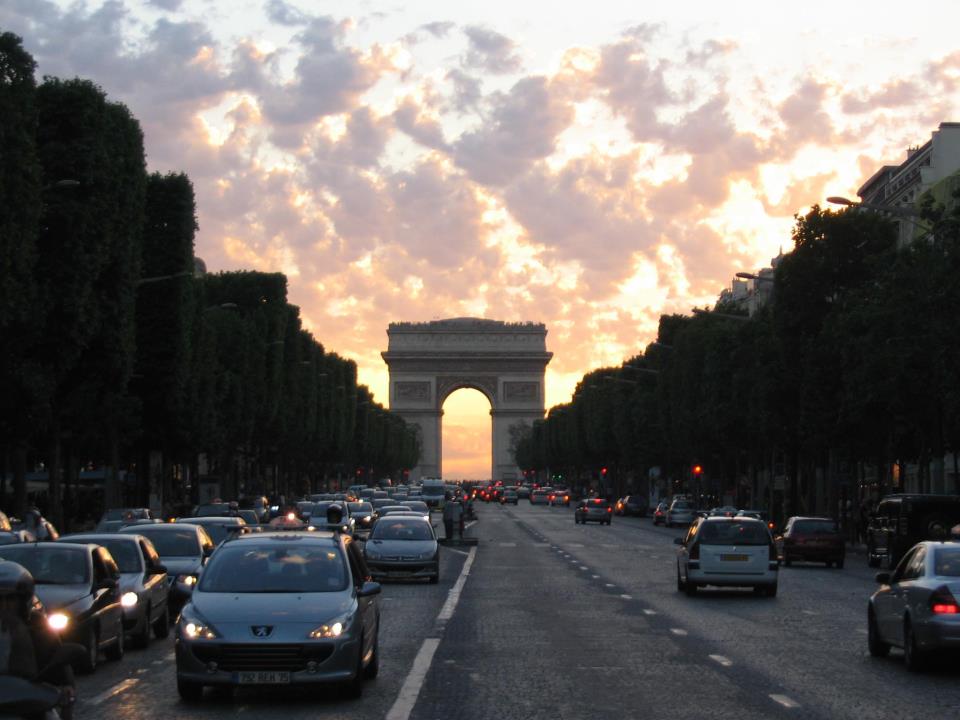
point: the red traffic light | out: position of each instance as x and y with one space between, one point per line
603 471
697 470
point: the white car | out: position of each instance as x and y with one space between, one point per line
681 512
727 552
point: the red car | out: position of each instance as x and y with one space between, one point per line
812 538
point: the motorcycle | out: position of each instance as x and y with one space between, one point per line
51 696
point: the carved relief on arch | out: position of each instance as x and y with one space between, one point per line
446 384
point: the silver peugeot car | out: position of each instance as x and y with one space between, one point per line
916 606
291 608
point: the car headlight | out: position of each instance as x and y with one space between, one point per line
188 580
371 554
58 621
129 599
427 555
195 627
333 629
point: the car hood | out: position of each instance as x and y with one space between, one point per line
182 565
56 597
290 616
131 582
400 547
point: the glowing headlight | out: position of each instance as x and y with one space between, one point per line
129 599
327 631
58 621
188 580
194 628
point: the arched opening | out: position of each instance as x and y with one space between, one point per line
467 437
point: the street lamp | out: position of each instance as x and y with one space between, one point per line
898 210
158 278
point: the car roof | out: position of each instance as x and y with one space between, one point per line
95 537
724 518
210 518
161 527
48 544
325 537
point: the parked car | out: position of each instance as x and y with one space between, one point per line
901 521
680 512
80 587
660 514
812 538
143 583
727 552
631 505
183 549
593 509
404 547
301 611
916 606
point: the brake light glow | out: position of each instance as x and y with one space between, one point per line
944 609
609 509
942 602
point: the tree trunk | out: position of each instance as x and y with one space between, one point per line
54 470
20 479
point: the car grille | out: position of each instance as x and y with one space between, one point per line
261 656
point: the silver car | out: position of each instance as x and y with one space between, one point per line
143 583
403 546
916 606
292 608
681 512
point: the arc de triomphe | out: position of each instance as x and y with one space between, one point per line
429 361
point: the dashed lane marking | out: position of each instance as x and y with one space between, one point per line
584 567
595 577
508 544
114 691
809 612
648 611
446 549
726 662
446 612
785 701
610 585
678 631
862 631
627 597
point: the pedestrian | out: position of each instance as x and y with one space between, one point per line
448 516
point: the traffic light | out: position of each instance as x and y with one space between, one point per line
603 471
697 470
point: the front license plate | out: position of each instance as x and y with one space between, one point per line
734 558
263 678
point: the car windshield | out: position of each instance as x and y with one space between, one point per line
946 561
50 565
680 506
401 530
127 554
418 505
360 507
815 527
212 510
733 533
174 543
282 568
218 532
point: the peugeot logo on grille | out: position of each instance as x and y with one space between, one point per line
262 631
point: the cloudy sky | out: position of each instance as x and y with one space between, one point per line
587 165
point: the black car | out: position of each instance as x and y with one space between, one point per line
183 548
902 521
631 505
80 587
595 509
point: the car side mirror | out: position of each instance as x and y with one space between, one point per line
368 589
678 541
108 584
882 578
158 569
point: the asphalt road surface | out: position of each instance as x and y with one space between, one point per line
550 620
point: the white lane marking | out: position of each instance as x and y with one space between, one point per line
627 597
862 631
446 549
114 691
610 585
726 662
678 631
809 612
584 567
648 611
410 691
785 701
446 612
508 544
575 545
469 524
595 577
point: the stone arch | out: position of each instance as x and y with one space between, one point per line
430 361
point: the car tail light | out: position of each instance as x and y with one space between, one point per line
942 602
695 551
609 509
773 552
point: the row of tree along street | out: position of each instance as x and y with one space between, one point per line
119 352
845 378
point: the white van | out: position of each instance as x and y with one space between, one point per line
727 552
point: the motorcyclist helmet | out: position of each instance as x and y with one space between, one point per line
335 514
16 587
